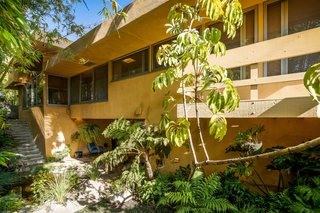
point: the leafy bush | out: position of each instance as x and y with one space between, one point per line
59 155
93 172
8 180
59 187
47 186
198 195
11 203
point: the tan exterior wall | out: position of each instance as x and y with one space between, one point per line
131 98
278 132
34 117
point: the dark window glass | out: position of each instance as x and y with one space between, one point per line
249 27
302 63
303 15
87 86
274 20
57 90
75 89
131 65
101 83
155 48
274 68
239 73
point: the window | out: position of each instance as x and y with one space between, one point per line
131 65
75 89
302 63
33 91
287 17
246 35
101 83
57 90
155 48
303 15
239 73
89 86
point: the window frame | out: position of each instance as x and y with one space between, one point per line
125 56
68 92
284 32
93 85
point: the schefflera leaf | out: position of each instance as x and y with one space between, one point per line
312 81
218 126
177 132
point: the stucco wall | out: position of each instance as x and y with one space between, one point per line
34 117
278 132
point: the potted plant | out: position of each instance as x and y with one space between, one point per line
87 133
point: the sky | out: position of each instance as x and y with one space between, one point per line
90 16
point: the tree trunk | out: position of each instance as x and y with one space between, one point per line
292 149
148 167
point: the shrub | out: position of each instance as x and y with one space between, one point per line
93 172
11 203
47 186
198 195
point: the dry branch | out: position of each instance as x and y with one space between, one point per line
292 149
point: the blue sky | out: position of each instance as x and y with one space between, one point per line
90 16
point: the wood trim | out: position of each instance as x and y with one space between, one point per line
259 81
293 45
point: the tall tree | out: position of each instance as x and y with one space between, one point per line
187 62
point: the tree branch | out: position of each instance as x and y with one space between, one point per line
292 149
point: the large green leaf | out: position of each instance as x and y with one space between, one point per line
177 132
312 81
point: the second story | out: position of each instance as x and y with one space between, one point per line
113 66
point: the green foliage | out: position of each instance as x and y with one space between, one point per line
192 49
39 186
244 140
93 172
8 180
11 203
312 81
177 132
87 133
135 145
47 186
5 142
59 155
60 186
198 195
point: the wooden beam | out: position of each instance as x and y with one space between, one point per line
280 108
293 45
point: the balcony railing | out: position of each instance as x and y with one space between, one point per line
266 92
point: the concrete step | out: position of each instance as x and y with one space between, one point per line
30 154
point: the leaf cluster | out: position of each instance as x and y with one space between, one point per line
135 144
197 195
186 59
87 133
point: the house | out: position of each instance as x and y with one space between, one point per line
114 65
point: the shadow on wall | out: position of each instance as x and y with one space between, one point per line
58 129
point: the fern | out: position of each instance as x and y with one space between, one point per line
198 195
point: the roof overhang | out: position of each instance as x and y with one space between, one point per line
115 37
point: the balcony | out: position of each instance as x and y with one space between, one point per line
272 96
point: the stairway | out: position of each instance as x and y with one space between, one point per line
30 155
